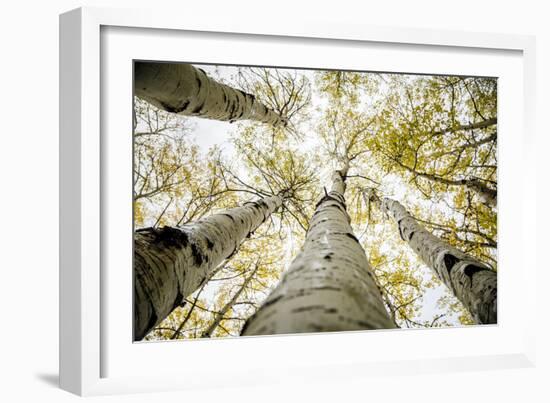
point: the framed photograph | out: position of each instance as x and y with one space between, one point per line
313 201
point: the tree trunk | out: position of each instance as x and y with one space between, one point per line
186 90
329 286
470 280
171 263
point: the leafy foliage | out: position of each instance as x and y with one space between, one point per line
428 141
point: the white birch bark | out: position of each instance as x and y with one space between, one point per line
187 90
471 281
329 286
171 263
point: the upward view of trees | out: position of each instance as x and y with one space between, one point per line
278 201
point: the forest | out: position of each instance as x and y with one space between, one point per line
278 201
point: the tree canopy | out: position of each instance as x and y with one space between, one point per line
429 142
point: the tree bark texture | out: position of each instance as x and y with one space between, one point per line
329 286
187 90
170 263
471 281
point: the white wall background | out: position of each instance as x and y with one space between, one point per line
29 201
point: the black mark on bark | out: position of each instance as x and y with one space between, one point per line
229 216
350 235
184 106
472 269
171 237
197 255
260 204
325 199
327 288
198 109
449 261
199 83
400 229
170 108
307 308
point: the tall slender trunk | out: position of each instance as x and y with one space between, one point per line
170 263
470 280
184 89
218 317
329 286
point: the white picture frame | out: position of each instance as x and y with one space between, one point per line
85 344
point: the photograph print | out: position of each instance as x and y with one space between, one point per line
277 201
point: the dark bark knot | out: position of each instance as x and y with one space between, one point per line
171 109
258 205
401 229
472 269
198 256
449 261
313 308
327 198
170 237
349 235
199 83
184 105
262 207
228 216
197 109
